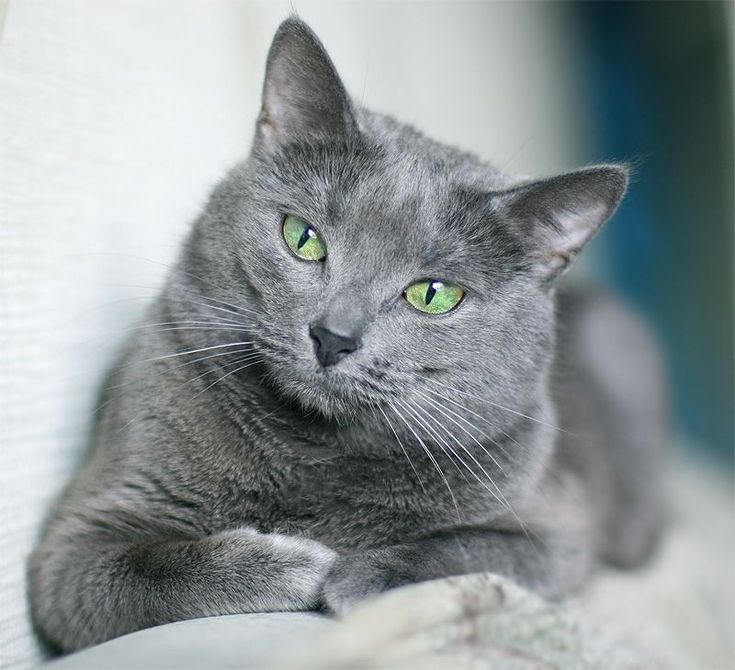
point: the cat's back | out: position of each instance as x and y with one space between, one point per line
609 386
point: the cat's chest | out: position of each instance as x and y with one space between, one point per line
345 495
348 501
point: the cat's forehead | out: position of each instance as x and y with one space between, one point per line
407 216
405 146
414 180
408 195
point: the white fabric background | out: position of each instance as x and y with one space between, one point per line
116 118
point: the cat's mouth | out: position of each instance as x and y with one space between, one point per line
348 388
332 393
336 393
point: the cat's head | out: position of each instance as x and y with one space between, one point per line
379 264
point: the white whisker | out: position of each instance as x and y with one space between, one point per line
494 404
225 377
207 328
479 416
398 439
441 409
175 367
448 452
239 311
193 351
249 357
499 495
181 386
431 457
188 323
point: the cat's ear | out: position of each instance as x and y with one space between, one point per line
558 216
303 97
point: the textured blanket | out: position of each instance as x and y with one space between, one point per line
475 621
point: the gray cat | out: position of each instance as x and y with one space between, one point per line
354 379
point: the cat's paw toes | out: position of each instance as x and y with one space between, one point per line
303 566
310 552
354 578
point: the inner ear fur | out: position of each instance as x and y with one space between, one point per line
559 215
303 96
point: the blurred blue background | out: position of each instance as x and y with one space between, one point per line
657 78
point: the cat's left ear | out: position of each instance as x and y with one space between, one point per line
558 216
303 97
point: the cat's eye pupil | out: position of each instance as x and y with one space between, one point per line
431 291
305 237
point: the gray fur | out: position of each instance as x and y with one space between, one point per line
221 484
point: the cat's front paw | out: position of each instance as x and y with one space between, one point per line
295 568
356 577
304 565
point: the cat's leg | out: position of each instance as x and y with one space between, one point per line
551 566
85 590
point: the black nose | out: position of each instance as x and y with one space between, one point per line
331 347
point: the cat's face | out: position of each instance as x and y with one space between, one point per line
378 264
392 225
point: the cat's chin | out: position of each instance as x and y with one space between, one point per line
331 399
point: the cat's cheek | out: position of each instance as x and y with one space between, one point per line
357 577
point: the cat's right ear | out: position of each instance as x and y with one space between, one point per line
303 97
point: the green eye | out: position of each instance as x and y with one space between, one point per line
433 296
303 240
